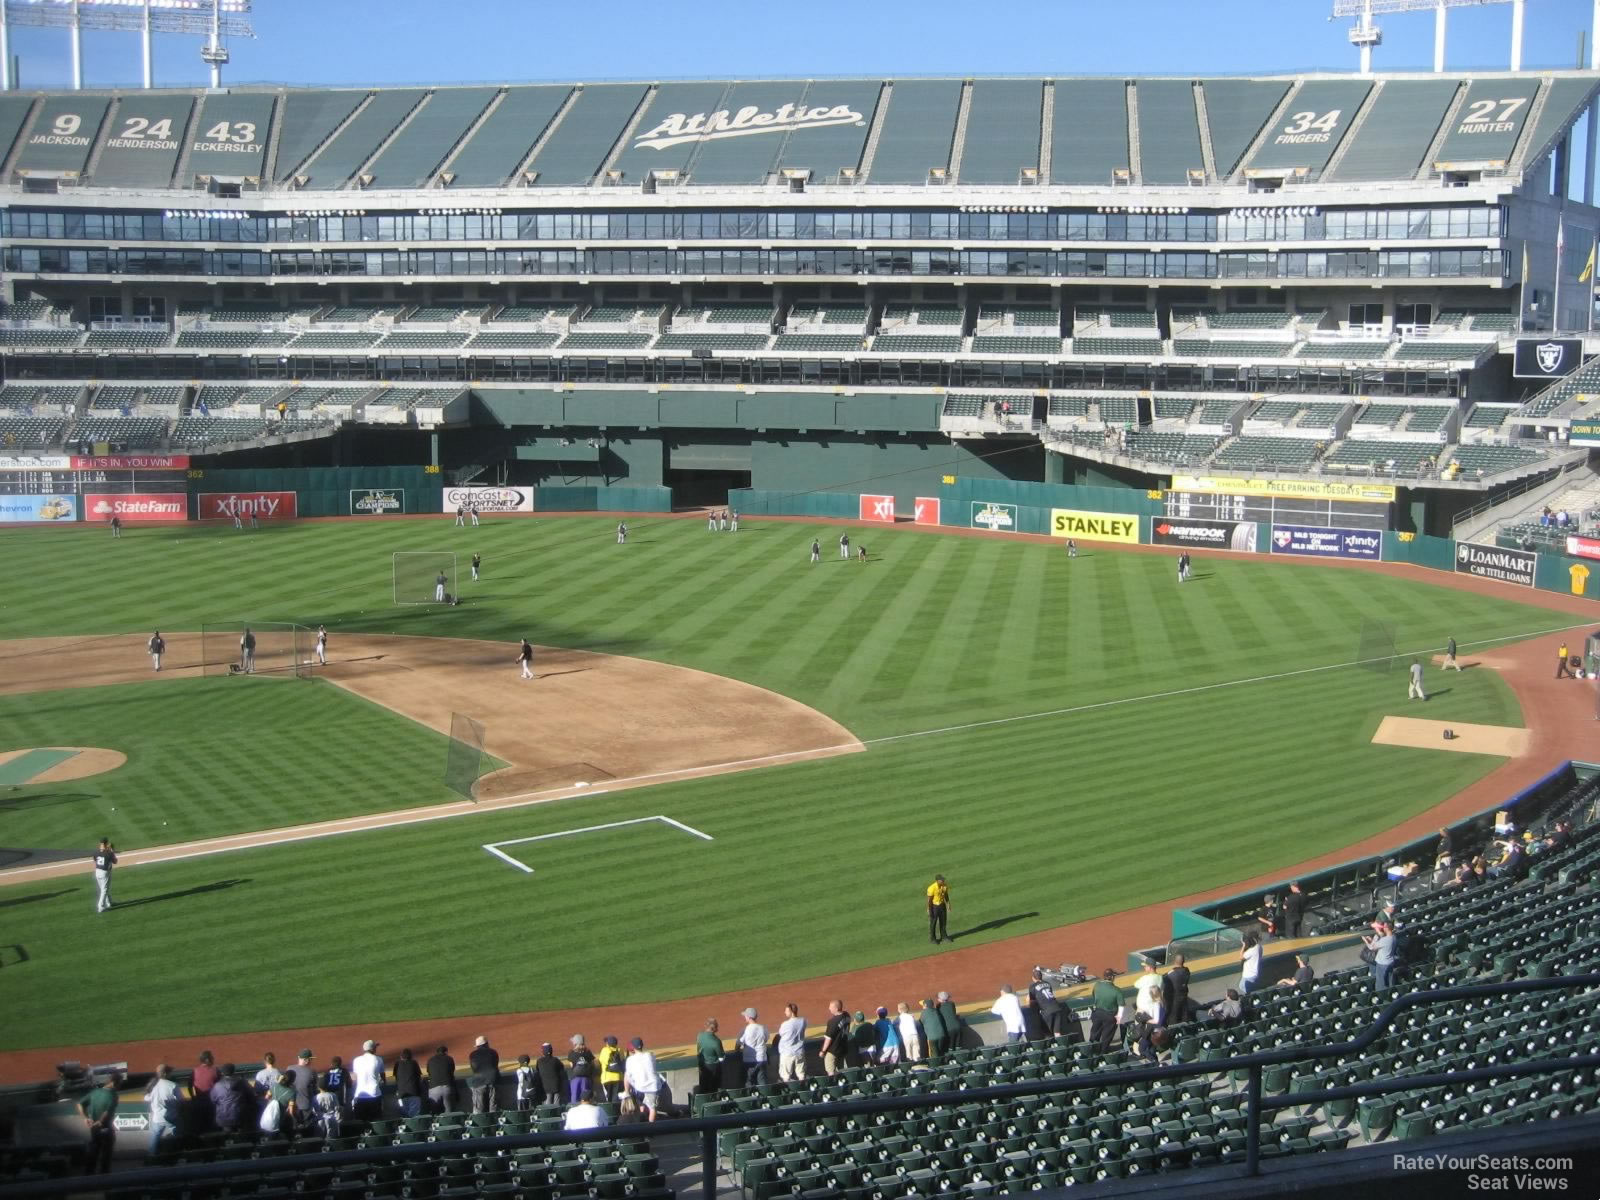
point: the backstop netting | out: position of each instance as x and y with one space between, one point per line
1376 651
417 577
463 761
281 649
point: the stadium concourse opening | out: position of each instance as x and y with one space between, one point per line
697 488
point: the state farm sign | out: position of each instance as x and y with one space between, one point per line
264 506
137 506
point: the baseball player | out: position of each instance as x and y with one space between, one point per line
622 533
461 515
238 521
722 519
1415 692
711 522
104 859
254 524
477 561
525 657
322 646
247 651
733 521
844 545
1450 663
116 526
157 647
861 553
816 551
1072 548
473 512
438 588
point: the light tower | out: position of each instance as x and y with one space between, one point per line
1365 34
213 18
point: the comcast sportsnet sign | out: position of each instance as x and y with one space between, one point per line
489 499
137 506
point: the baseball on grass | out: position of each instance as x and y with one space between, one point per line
581 783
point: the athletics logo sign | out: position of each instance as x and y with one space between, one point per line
678 128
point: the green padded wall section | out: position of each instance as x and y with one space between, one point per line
356 142
688 99
307 119
1397 133
63 132
418 149
1236 109
751 157
1489 120
1090 133
506 136
918 130
1003 124
13 112
828 149
1564 102
230 138
1310 128
579 145
140 146
1169 131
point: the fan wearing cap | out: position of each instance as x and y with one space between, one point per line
641 1077
366 1075
610 1061
753 1049
305 1088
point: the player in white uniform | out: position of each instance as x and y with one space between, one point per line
461 515
438 588
477 561
473 510
247 651
525 657
322 645
711 522
104 859
816 550
844 545
733 519
157 647
622 533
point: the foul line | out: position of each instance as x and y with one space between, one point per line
221 845
494 847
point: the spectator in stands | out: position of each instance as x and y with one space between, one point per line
1510 863
1293 911
791 1046
337 1081
864 1034
305 1088
1267 918
1444 856
932 1029
442 1080
708 1054
836 1038
1105 1003
231 1103
1381 945
1463 876
1009 1009
201 1081
485 1078
580 1076
1558 839
886 1037
1176 981
1148 1004
610 1062
910 1029
552 1075
642 1078
283 1095
1042 999
1147 977
327 1117
1227 1011
408 1089
268 1075
366 1083
99 1109
585 1114
525 1084
753 1049
951 1019
1250 964
164 1100
1303 974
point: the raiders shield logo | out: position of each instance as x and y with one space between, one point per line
1549 356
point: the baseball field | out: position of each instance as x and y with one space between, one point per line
1062 739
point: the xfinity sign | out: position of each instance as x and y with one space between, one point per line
678 128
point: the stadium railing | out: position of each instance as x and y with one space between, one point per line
176 1179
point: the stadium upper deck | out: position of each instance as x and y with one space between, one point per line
872 133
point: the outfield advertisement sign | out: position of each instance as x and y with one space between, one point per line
1320 542
130 462
1496 562
1577 547
1546 358
136 506
1584 433
378 502
1083 526
489 499
877 508
35 462
263 506
1203 535
927 510
47 510
1299 489
996 518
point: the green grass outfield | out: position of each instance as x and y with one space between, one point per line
1128 796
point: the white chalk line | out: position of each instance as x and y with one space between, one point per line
552 795
494 847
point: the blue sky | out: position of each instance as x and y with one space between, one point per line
410 41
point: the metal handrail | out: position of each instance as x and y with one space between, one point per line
709 1127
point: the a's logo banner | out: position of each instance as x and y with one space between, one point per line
489 499
996 518
1496 562
1083 526
1316 542
377 502
263 506
1213 535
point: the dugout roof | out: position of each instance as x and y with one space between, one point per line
867 132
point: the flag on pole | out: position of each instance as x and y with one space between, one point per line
1588 267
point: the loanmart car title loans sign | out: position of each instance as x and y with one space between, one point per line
1495 562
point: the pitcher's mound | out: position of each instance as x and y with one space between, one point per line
56 764
1504 740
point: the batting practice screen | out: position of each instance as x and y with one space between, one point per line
281 650
417 576
463 761
1376 649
